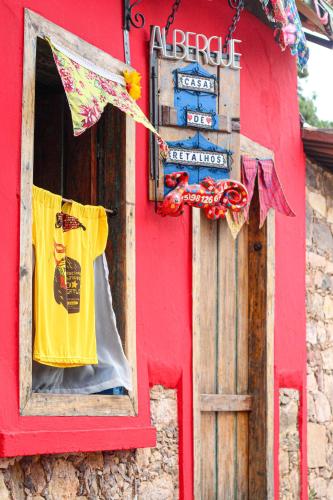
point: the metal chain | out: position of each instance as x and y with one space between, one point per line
171 16
232 28
235 19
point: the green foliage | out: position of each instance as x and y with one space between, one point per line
312 494
302 73
308 109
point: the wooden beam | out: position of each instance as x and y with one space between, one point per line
328 44
270 318
196 359
75 44
311 16
242 426
317 149
78 404
169 119
324 136
208 357
261 268
255 7
257 246
318 145
225 402
27 161
227 356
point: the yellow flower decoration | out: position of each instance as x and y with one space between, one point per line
133 86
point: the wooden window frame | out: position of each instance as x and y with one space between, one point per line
64 404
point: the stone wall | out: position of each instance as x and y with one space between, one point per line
320 331
143 474
289 452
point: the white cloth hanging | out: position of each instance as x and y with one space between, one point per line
112 370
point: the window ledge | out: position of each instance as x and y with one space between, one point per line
42 442
75 405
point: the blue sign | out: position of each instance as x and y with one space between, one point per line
195 91
199 157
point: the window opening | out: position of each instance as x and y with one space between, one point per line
87 169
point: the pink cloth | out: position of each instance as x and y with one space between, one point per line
270 190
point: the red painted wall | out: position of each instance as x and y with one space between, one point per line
269 115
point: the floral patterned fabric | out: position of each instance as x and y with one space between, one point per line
88 93
289 32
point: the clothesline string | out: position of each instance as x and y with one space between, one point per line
111 211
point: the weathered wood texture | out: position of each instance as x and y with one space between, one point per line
48 134
242 364
262 382
223 297
42 27
228 111
255 7
220 458
257 350
27 156
228 361
72 405
79 163
208 361
87 170
251 148
223 353
318 145
196 358
269 372
225 402
112 194
311 20
130 284
168 117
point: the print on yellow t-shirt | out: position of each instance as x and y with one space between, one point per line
67 239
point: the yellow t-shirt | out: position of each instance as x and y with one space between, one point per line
67 240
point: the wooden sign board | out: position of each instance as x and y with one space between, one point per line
197 157
199 119
194 104
196 83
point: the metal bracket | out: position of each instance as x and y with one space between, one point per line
137 21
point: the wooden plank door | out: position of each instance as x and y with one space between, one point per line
232 356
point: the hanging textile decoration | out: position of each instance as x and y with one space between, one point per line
288 27
270 190
215 197
235 221
90 88
324 13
